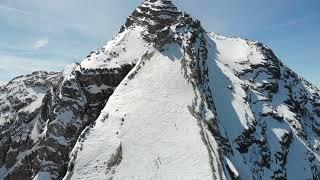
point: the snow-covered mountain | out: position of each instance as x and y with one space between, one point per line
164 99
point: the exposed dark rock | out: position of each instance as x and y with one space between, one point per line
40 138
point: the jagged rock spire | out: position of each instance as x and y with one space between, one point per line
154 14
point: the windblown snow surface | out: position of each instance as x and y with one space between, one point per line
177 102
146 128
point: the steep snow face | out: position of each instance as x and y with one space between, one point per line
163 100
146 130
268 113
152 126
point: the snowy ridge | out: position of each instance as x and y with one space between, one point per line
121 127
163 100
126 48
246 126
273 136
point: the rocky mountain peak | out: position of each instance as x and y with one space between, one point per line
154 14
164 99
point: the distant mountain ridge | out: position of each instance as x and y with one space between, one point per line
164 99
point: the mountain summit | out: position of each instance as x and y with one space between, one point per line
158 13
164 99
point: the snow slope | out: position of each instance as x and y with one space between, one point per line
163 100
250 110
126 48
148 121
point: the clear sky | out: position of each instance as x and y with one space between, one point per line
47 34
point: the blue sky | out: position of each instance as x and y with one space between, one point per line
47 35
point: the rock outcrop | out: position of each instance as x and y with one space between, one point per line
43 114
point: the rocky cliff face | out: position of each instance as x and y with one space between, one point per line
163 100
42 115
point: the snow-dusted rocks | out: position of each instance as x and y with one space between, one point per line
42 115
153 14
163 100
270 117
